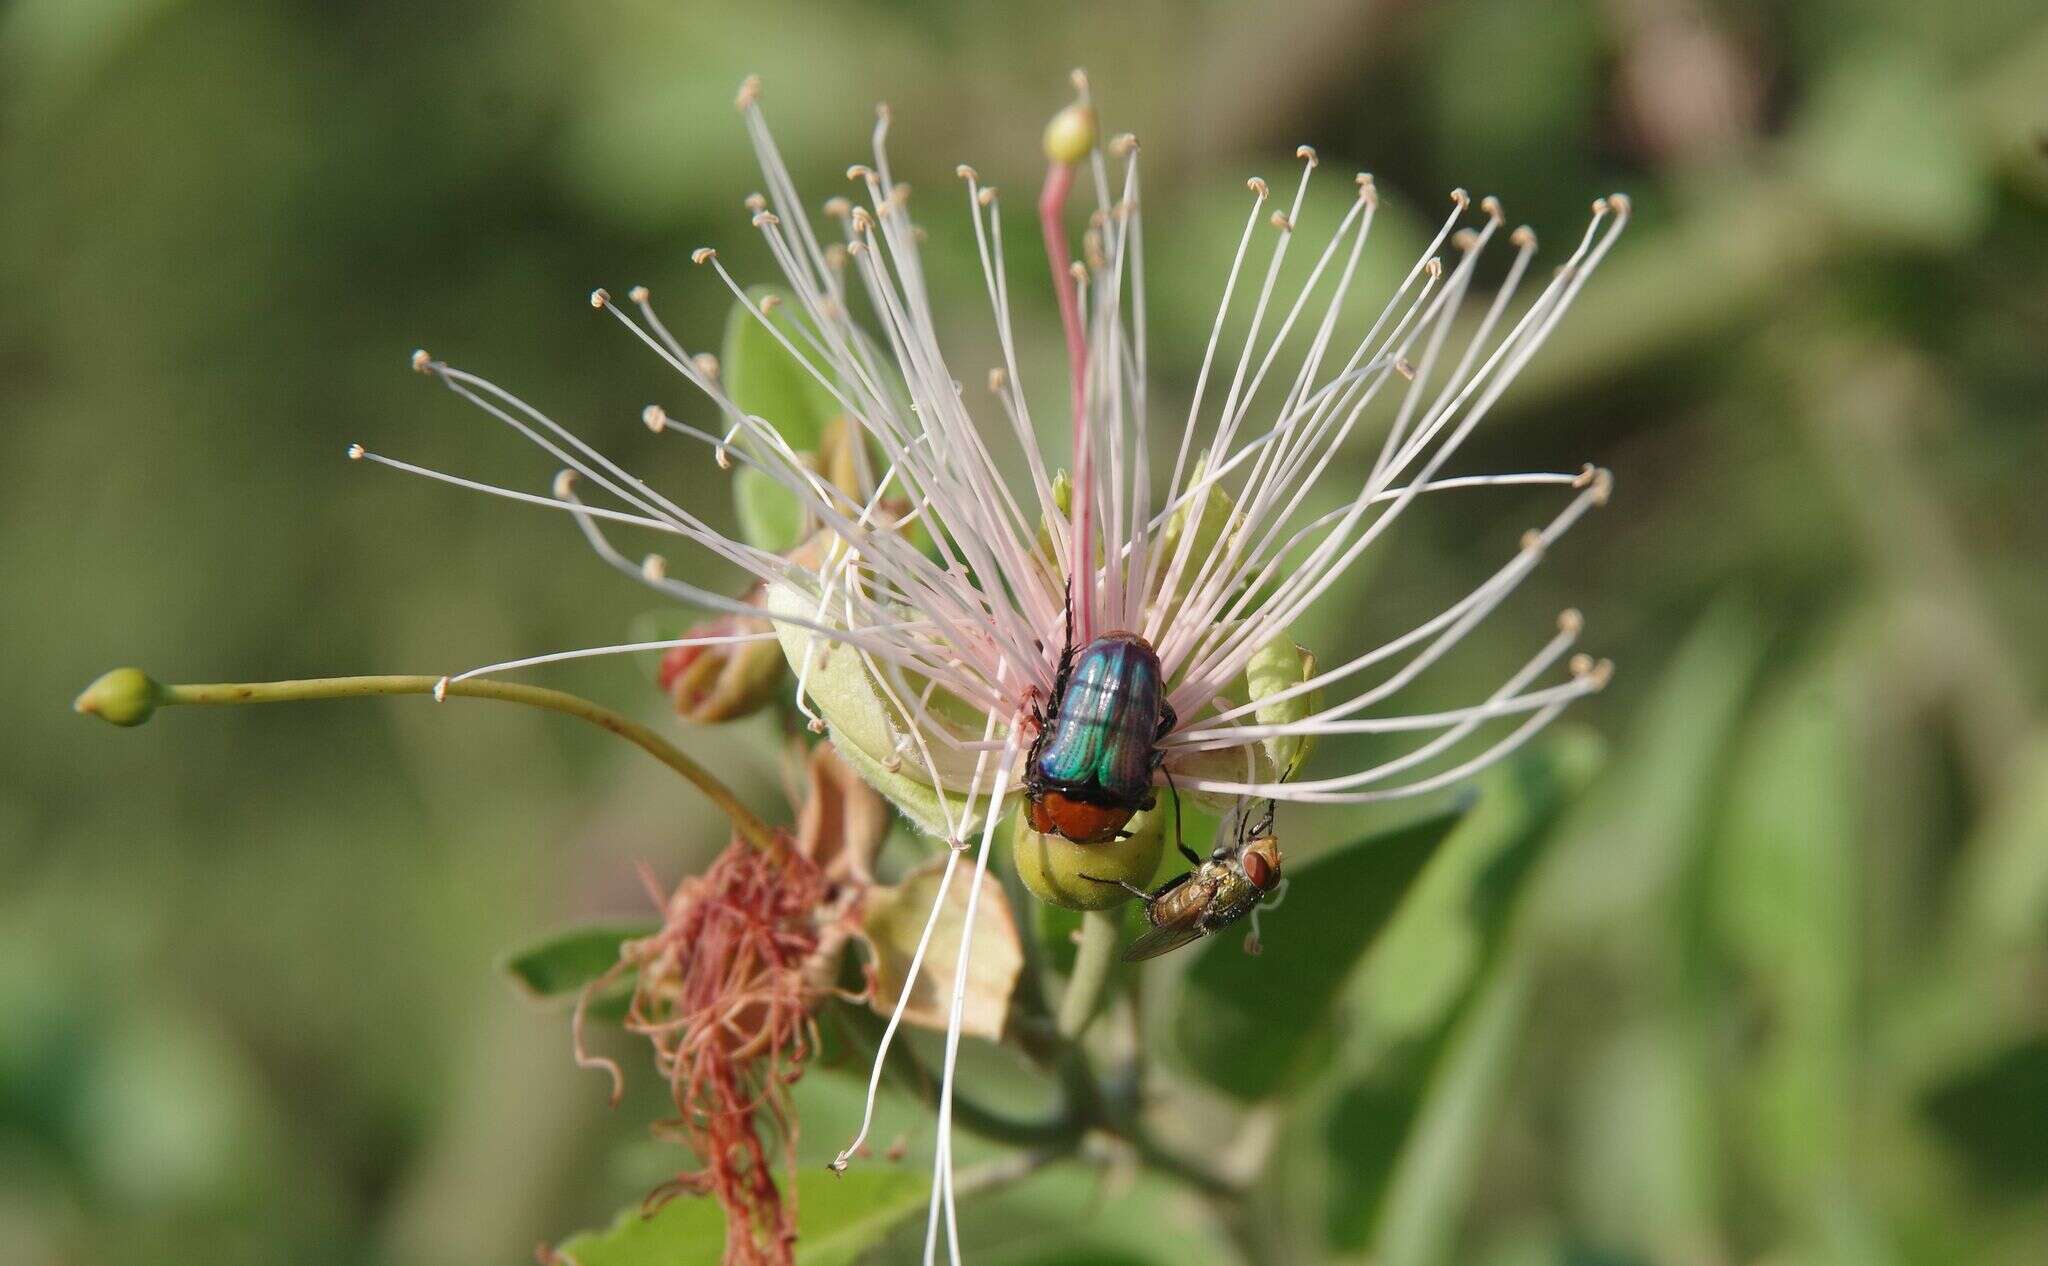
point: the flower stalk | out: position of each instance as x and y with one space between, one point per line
744 821
1101 931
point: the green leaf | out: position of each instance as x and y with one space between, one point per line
1252 1025
1884 144
1432 1181
764 379
1628 842
1991 1113
1418 996
839 1217
568 961
1436 943
1786 906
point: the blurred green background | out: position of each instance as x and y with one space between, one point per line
1779 992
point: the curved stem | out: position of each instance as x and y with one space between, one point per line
1093 961
750 827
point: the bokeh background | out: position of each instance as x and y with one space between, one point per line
1781 994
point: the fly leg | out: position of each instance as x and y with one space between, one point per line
1124 884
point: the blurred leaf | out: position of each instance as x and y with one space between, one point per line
764 379
1432 1181
568 961
1437 940
1439 945
839 1217
1365 1132
1992 1115
1252 1025
1887 147
1786 904
2002 889
1624 843
1643 1153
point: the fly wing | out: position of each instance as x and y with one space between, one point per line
1165 937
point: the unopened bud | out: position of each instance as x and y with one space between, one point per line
125 696
723 682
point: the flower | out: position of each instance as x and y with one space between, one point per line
928 641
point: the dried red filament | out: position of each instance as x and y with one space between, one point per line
720 993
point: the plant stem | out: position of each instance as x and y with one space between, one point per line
1100 932
750 827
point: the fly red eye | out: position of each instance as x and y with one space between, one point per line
1259 871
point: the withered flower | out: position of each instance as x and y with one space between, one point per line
728 989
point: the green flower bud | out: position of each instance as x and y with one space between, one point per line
1062 873
125 696
1280 665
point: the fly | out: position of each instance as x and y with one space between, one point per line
1213 894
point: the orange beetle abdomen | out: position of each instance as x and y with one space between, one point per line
1083 823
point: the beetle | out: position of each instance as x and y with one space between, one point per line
1091 765
1212 894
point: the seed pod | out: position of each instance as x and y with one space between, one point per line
1086 876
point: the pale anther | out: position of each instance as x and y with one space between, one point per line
599 298
755 202
837 208
987 196
421 362
703 255
355 452
654 417
1570 620
749 93
1491 205
1257 186
637 294
964 172
706 363
654 567
441 691
565 485
1307 153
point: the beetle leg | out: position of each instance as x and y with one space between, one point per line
1124 884
1180 841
